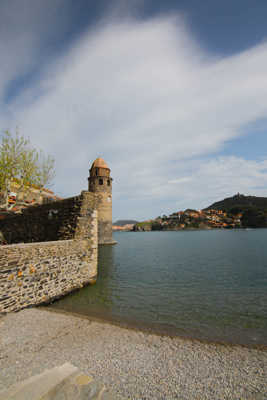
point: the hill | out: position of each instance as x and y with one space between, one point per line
252 208
239 203
122 222
235 212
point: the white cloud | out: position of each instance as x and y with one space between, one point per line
148 99
181 180
218 178
27 34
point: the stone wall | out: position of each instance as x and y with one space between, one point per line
35 273
58 220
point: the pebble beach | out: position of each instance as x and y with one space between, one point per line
133 364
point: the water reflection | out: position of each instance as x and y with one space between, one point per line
95 300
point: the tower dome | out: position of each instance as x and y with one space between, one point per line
99 168
99 163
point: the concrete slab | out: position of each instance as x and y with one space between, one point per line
60 383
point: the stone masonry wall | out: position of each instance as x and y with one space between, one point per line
35 273
104 206
48 222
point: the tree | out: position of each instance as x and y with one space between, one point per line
23 165
254 217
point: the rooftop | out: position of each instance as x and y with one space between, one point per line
100 163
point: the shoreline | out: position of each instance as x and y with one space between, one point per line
151 329
131 363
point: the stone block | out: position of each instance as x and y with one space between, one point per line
60 383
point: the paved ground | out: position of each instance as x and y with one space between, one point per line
133 364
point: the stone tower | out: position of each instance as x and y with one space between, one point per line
100 183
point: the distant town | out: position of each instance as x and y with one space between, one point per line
234 212
188 219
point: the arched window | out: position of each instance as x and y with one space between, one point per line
96 171
108 182
100 181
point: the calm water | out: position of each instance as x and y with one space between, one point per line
203 284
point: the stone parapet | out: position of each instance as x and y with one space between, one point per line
58 220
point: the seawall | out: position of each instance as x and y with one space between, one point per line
40 271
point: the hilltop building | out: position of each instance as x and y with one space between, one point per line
32 195
100 183
19 199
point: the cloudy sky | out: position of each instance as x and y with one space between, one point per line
172 94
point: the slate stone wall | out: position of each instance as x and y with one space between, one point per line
35 273
48 222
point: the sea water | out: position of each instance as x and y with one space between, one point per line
209 285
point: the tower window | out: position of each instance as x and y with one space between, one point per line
108 182
96 171
100 181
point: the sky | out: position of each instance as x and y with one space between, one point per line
172 94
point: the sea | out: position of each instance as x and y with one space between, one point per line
208 285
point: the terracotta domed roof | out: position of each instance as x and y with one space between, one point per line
100 163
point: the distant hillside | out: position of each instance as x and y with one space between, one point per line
122 222
235 212
239 202
252 208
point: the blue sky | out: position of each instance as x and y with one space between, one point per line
173 95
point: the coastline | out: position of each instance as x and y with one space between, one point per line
163 331
134 364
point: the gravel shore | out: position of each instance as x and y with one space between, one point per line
134 364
